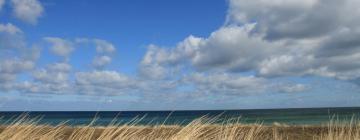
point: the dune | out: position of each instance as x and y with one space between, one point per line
199 129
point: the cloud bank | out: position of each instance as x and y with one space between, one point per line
259 42
275 39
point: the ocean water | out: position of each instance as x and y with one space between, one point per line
302 116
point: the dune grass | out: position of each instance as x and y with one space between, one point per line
200 129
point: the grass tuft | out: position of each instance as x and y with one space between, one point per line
203 128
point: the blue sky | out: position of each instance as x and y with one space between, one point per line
129 25
170 55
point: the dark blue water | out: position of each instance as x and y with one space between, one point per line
301 116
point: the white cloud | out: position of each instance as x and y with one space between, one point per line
59 67
234 49
104 51
277 19
101 61
286 65
15 57
27 10
9 70
259 36
54 73
7 77
294 88
10 28
227 84
151 66
103 46
153 71
103 82
229 48
53 79
11 37
46 76
60 47
105 78
15 66
43 88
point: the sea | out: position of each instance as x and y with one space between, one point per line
293 116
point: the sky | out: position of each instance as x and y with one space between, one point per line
123 55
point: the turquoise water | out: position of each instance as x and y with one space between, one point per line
302 116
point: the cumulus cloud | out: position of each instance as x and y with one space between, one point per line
27 10
60 47
105 78
53 79
101 61
103 46
13 45
14 66
152 66
275 39
227 84
10 68
104 51
229 48
15 57
312 18
11 37
153 71
234 49
9 28
293 88
104 82
54 73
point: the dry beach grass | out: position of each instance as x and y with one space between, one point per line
199 129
